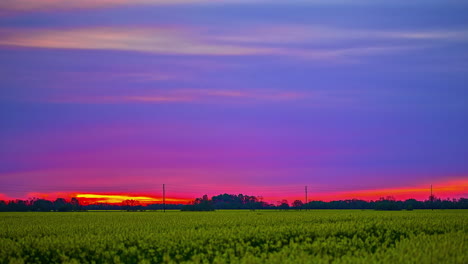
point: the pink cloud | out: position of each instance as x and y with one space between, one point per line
9 6
50 5
178 41
4 197
205 41
180 96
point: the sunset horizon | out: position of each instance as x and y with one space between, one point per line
449 190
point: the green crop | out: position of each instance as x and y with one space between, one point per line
316 236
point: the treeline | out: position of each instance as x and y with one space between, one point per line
41 205
390 204
74 205
231 201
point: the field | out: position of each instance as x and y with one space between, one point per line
328 236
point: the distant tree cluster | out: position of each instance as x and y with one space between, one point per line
240 201
200 204
41 205
232 201
390 204
63 205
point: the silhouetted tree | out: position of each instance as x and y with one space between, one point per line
387 204
200 204
283 205
131 205
462 203
298 204
75 204
42 205
61 205
232 201
3 206
18 206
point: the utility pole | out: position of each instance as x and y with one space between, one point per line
164 198
432 200
306 201
305 194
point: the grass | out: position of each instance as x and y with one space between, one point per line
316 236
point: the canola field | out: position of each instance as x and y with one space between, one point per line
315 236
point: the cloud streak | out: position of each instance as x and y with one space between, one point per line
45 5
282 40
298 33
48 5
152 40
183 96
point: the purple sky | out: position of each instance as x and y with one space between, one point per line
259 97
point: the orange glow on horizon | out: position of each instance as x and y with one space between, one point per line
90 198
449 189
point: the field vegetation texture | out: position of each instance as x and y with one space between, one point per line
329 236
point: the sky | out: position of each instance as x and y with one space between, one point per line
353 99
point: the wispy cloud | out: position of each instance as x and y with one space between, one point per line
309 42
317 34
153 40
26 5
13 6
184 95
47 5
